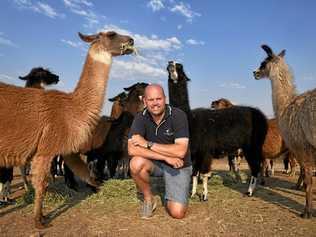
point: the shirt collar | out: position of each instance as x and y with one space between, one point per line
168 112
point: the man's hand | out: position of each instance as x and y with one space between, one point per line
138 140
175 162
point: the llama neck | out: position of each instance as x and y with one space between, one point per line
178 95
90 91
283 89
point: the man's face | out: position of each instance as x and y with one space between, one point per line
155 100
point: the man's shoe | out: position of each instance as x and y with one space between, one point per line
147 209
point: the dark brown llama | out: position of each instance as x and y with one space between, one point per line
37 125
295 114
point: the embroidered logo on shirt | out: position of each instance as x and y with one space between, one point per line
168 132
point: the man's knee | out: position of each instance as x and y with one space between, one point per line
176 210
137 164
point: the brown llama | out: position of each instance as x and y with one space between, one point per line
221 103
118 105
37 125
295 114
38 77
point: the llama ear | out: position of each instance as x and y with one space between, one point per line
282 54
23 78
88 38
112 99
268 50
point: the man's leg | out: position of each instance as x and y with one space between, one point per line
177 190
140 169
176 210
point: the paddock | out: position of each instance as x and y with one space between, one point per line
272 211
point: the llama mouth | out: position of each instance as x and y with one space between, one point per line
256 75
127 48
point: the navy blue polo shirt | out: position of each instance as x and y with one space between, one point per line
174 125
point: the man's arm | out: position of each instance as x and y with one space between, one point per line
177 150
138 150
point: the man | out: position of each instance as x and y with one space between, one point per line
158 145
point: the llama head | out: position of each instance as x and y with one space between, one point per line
221 104
111 42
136 93
121 98
175 71
39 77
269 63
137 90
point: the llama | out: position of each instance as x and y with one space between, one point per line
295 114
221 103
113 151
273 147
37 125
118 104
233 160
213 132
38 77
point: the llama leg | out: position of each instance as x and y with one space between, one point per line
126 165
300 179
309 194
23 175
205 188
40 175
194 185
252 185
272 167
292 164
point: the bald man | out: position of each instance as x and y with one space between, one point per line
159 146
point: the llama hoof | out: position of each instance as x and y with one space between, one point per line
306 215
42 223
249 194
204 198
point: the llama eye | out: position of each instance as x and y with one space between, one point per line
111 34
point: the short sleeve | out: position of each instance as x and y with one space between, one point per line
138 126
180 124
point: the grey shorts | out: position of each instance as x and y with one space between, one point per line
177 181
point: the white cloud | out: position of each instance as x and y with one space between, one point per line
83 8
148 43
135 70
233 85
74 44
155 5
39 7
5 77
309 77
195 42
6 42
185 10
46 10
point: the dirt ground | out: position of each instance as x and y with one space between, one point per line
272 211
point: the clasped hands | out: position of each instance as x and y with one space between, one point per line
138 140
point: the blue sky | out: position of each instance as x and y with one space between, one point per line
218 42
